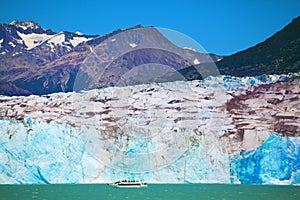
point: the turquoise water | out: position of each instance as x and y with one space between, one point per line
153 192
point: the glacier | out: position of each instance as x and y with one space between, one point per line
179 132
277 161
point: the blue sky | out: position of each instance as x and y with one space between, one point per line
221 27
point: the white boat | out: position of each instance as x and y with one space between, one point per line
129 184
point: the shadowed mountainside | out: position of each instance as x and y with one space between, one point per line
280 54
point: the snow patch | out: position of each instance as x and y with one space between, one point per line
79 33
25 25
57 39
22 27
114 39
19 41
1 41
133 45
17 53
32 40
189 48
77 40
196 61
12 44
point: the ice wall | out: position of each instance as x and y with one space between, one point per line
277 161
172 132
40 152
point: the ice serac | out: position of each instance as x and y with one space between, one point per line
210 131
39 152
277 161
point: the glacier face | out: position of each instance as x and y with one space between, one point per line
169 132
277 161
38 152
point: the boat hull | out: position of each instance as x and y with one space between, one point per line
128 186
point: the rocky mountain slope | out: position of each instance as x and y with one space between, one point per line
278 54
219 130
38 61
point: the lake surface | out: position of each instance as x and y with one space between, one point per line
153 192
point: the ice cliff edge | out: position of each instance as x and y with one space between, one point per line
169 132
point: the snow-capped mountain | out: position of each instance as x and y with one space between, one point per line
38 61
26 48
21 37
27 25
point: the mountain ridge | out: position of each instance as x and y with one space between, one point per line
279 54
42 61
